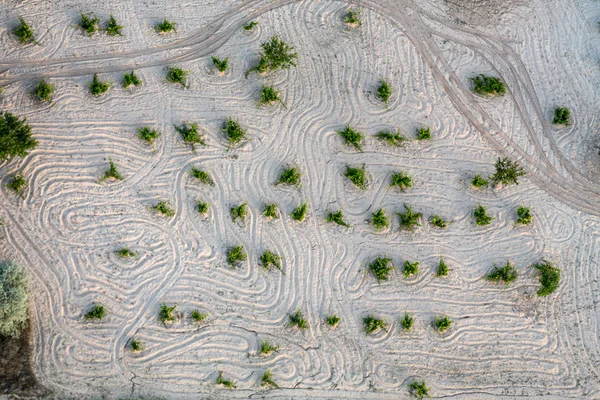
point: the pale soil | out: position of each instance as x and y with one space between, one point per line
505 342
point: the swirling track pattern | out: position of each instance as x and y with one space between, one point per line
505 342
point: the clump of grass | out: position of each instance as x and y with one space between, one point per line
379 219
267 379
269 95
131 79
442 268
250 25
176 74
373 324
162 207
358 176
270 211
442 324
391 138
424 133
221 64
407 322
438 221
44 90
23 32
381 268
478 181
507 172
147 134
332 320
267 348
351 137
384 91
236 255
239 212
353 17
268 259
523 215
88 23
113 28
202 207
97 87
17 184
561 116
297 319
419 389
410 268
96 313
202 176
166 313
111 172
234 132
481 217
409 219
274 56
507 274
225 382
190 134
299 213
198 316
488 85
165 27
401 180
549 278
289 176
125 253
337 217
136 345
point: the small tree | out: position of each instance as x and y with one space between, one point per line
351 137
165 27
17 184
372 324
202 176
88 23
239 212
506 274
202 207
267 379
147 134
268 259
236 255
24 33
523 215
176 74
14 295
358 176
561 116
410 268
424 133
275 55
442 268
234 132
162 207
131 79
267 348
332 320
407 322
384 91
136 345
44 90
250 25
97 87
442 324
111 172
438 221
381 268
479 182
289 176
271 211
379 219
481 217
269 96
353 17
190 134
488 85
113 28
225 382
409 219
299 213
419 389
337 217
392 138
297 319
15 136
549 277
221 64
96 313
401 180
507 172
166 313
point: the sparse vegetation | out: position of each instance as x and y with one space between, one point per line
165 27
269 95
267 348
507 172
131 79
44 90
561 116
337 217
267 379
381 268
202 207
481 217
419 389
379 219
523 215
507 274
136 345
147 134
225 382
391 138
409 219
488 85
438 221
239 212
442 268
274 56
478 181
410 268
236 255
442 324
268 259
384 91
96 313
351 137
332 320
23 32
221 64
353 17
125 253
15 136
97 87
202 176
176 74
88 23
289 176
401 180
300 212
549 278
297 319
111 172
14 296
166 313
407 322
190 134
162 207
198 316
270 211
250 25
234 132
424 133
113 28
17 184
373 324
358 176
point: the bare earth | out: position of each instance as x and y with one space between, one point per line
504 343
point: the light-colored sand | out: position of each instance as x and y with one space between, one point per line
505 342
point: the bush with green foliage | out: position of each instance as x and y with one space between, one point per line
358 176
561 116
17 184
337 217
381 268
198 316
549 277
239 212
407 322
131 79
166 313
419 389
202 207
268 259
523 215
478 181
267 348
351 137
379 219
332 320
297 319
221 64
225 382
15 136
289 176
165 27
14 295
507 274
176 74
401 180
384 91
299 212
113 28
147 134
250 25
410 268
275 55
234 132
96 313
23 32
391 138
438 221
236 255
162 207
190 134
507 172
267 379
136 345
88 23
111 172
442 324
373 324
202 176
481 217
442 268
44 90
488 85
409 219
269 96
353 17
125 253
270 211
97 87
424 133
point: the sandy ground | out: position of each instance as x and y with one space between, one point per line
505 342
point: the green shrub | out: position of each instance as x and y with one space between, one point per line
481 217
289 176
391 138
250 25
234 132
98 87
297 319
44 90
438 221
111 172
488 85
353 17
333 320
337 217
358 176
89 23
351 137
523 215
131 79
381 268
561 116
270 211
300 212
409 219
17 184
479 182
442 324
225 382
269 96
202 207
239 212
506 274
112 28
236 255
136 345
165 26
267 348
190 134
274 56
125 253
384 91
507 172
176 74
198 316
379 219
419 389
14 295
162 207
202 176
401 180
549 278
442 268
147 134
24 32
15 136
407 322
96 313
221 64
166 313
267 379
424 133
373 324
268 259
410 268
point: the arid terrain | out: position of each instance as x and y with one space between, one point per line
505 341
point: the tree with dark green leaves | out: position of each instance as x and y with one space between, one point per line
131 79
407 322
269 259
332 320
44 90
372 324
15 136
384 91
442 268
401 180
234 132
147 134
299 213
549 277
478 181
250 25
97 87
507 172
271 211
297 319
221 64
176 74
442 323
419 389
275 55
561 116
88 23
410 268
337 217
351 137
165 27
409 219
424 133
523 215
14 298
190 134
113 28
352 18
358 176
381 268
481 217
96 313
488 85
379 219
269 95
289 176
24 33
236 255
17 184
